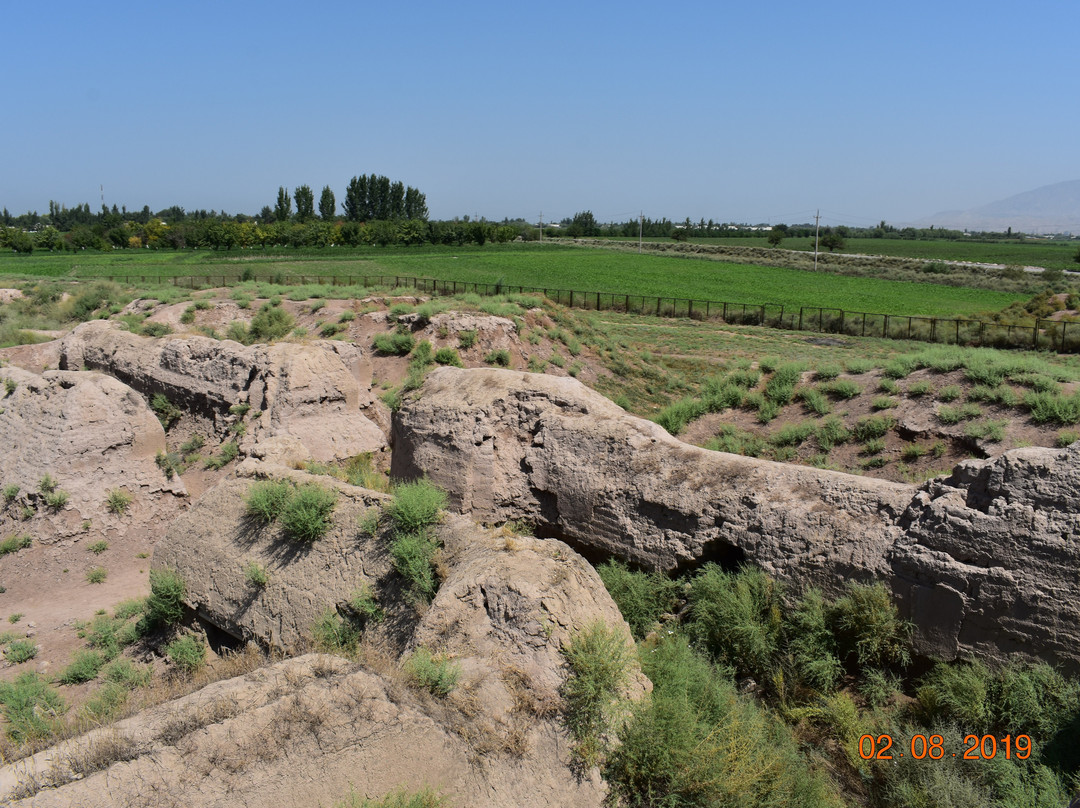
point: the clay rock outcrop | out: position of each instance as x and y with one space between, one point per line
508 445
306 731
985 562
92 434
989 560
213 543
306 392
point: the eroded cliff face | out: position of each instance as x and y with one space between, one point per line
310 394
985 562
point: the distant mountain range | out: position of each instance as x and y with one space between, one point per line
1049 209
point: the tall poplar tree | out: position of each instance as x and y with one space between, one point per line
305 203
327 204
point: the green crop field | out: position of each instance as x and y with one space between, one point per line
1049 254
551 266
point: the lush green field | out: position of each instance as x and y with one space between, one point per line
550 266
1050 254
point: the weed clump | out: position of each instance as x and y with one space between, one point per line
118 501
436 674
396 344
188 653
306 516
165 605
599 662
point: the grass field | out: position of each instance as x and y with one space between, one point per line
551 266
1049 254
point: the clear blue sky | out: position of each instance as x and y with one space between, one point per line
731 111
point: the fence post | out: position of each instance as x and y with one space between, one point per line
885 331
933 329
1035 336
725 312
800 317
1064 325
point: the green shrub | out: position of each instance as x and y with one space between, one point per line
30 707
13 544
792 434
920 389
165 605
912 452
433 673
1053 408
888 386
840 388
500 357
900 366
364 605
868 628
347 316
415 505
641 596
10 492
334 634
227 453
1066 437
10 386
306 516
675 417
767 364
396 344
467 339
736 618
827 372
126 673
156 329
872 426
97 575
84 667
47 484
811 645
255 575
98 547
118 501
884 403
449 356
813 400
270 324
188 653
266 500
781 386
599 662
56 499
858 366
696 742
949 393
21 651
423 353
238 332
165 411
830 433
413 555
993 431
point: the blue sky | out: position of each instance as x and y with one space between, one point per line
735 112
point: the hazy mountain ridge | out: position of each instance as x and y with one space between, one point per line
1049 209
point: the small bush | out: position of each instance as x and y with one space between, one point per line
993 431
884 403
97 575
920 389
347 316
830 433
912 452
949 393
1053 408
47 484
10 492
98 547
30 707
874 446
888 386
500 357
334 634
433 673
270 324
466 339
858 366
826 373
843 389
255 575
364 605
156 329
401 798
118 501
1066 437
227 453
84 667
56 499
13 544
306 517
413 555
641 596
599 661
165 410
868 628
792 434
165 605
266 500
448 356
21 651
814 401
188 653
416 505
872 426
395 344
10 386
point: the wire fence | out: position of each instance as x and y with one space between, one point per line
1043 334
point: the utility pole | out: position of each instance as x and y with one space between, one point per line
640 226
817 229
541 227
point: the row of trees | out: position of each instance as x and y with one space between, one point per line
370 198
227 234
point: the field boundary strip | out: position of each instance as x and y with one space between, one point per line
1042 335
